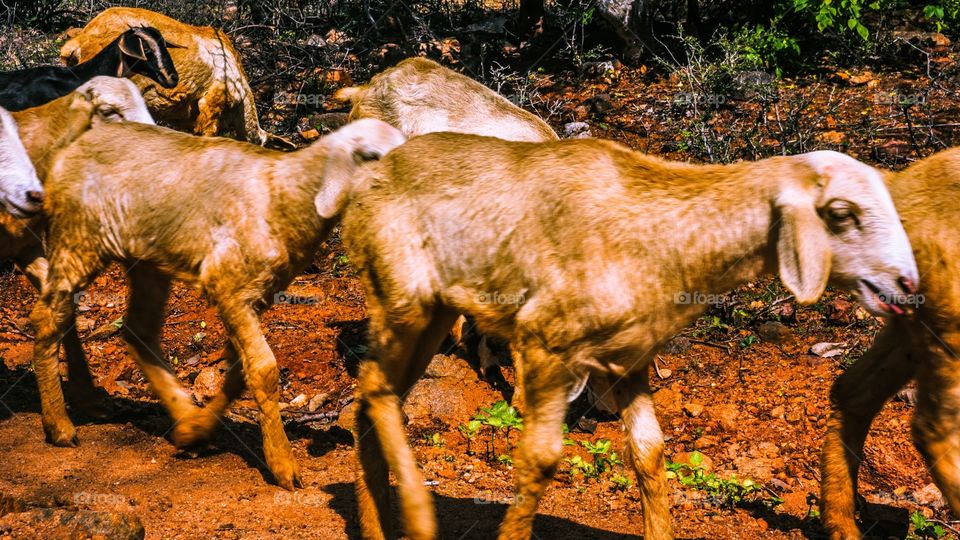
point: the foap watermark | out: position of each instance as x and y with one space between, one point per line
688 298
488 497
296 99
912 300
286 297
288 498
689 98
899 98
99 499
94 298
501 298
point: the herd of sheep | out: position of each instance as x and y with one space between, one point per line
588 241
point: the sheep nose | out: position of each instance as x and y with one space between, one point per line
35 197
907 285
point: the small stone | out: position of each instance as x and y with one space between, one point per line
208 383
576 130
677 345
828 350
310 134
929 495
777 412
317 401
774 332
693 409
298 401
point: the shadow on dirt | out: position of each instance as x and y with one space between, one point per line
469 518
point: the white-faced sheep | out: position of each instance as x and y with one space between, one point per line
21 193
588 245
213 96
235 220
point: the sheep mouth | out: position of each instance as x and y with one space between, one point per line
886 302
20 211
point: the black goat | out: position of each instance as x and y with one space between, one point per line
139 50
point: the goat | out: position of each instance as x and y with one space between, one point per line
213 96
419 96
46 130
240 237
137 51
21 193
576 252
921 348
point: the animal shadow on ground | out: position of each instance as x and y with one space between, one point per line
469 518
18 389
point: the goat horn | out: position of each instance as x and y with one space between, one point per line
124 48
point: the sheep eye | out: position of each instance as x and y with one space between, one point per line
842 213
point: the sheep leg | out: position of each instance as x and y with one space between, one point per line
857 396
635 402
518 400
84 395
51 317
202 423
400 355
936 423
141 330
548 383
263 379
210 107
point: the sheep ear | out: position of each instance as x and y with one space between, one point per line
132 52
803 252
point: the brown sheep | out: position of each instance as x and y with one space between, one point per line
240 236
923 348
213 96
578 252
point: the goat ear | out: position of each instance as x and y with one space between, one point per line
803 251
171 45
132 51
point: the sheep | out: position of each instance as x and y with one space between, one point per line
239 236
141 51
921 348
579 252
213 96
419 96
21 193
45 130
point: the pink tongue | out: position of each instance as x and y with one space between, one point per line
896 309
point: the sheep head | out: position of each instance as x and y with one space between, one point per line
838 224
21 193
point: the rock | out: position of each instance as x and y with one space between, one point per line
317 401
841 312
828 350
310 135
929 495
327 122
348 417
667 400
777 412
757 469
785 312
726 414
795 503
693 409
774 332
600 103
677 345
440 393
576 130
316 41
298 401
208 382
58 523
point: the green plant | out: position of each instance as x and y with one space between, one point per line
603 458
923 528
839 15
435 440
578 465
620 482
499 417
469 432
748 341
724 492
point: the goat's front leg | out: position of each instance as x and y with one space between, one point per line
199 426
634 399
263 379
84 395
936 423
51 318
856 398
547 383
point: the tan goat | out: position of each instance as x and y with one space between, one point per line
213 96
922 348
45 131
576 252
240 236
419 96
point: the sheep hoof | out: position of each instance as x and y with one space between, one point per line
64 436
193 431
287 475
